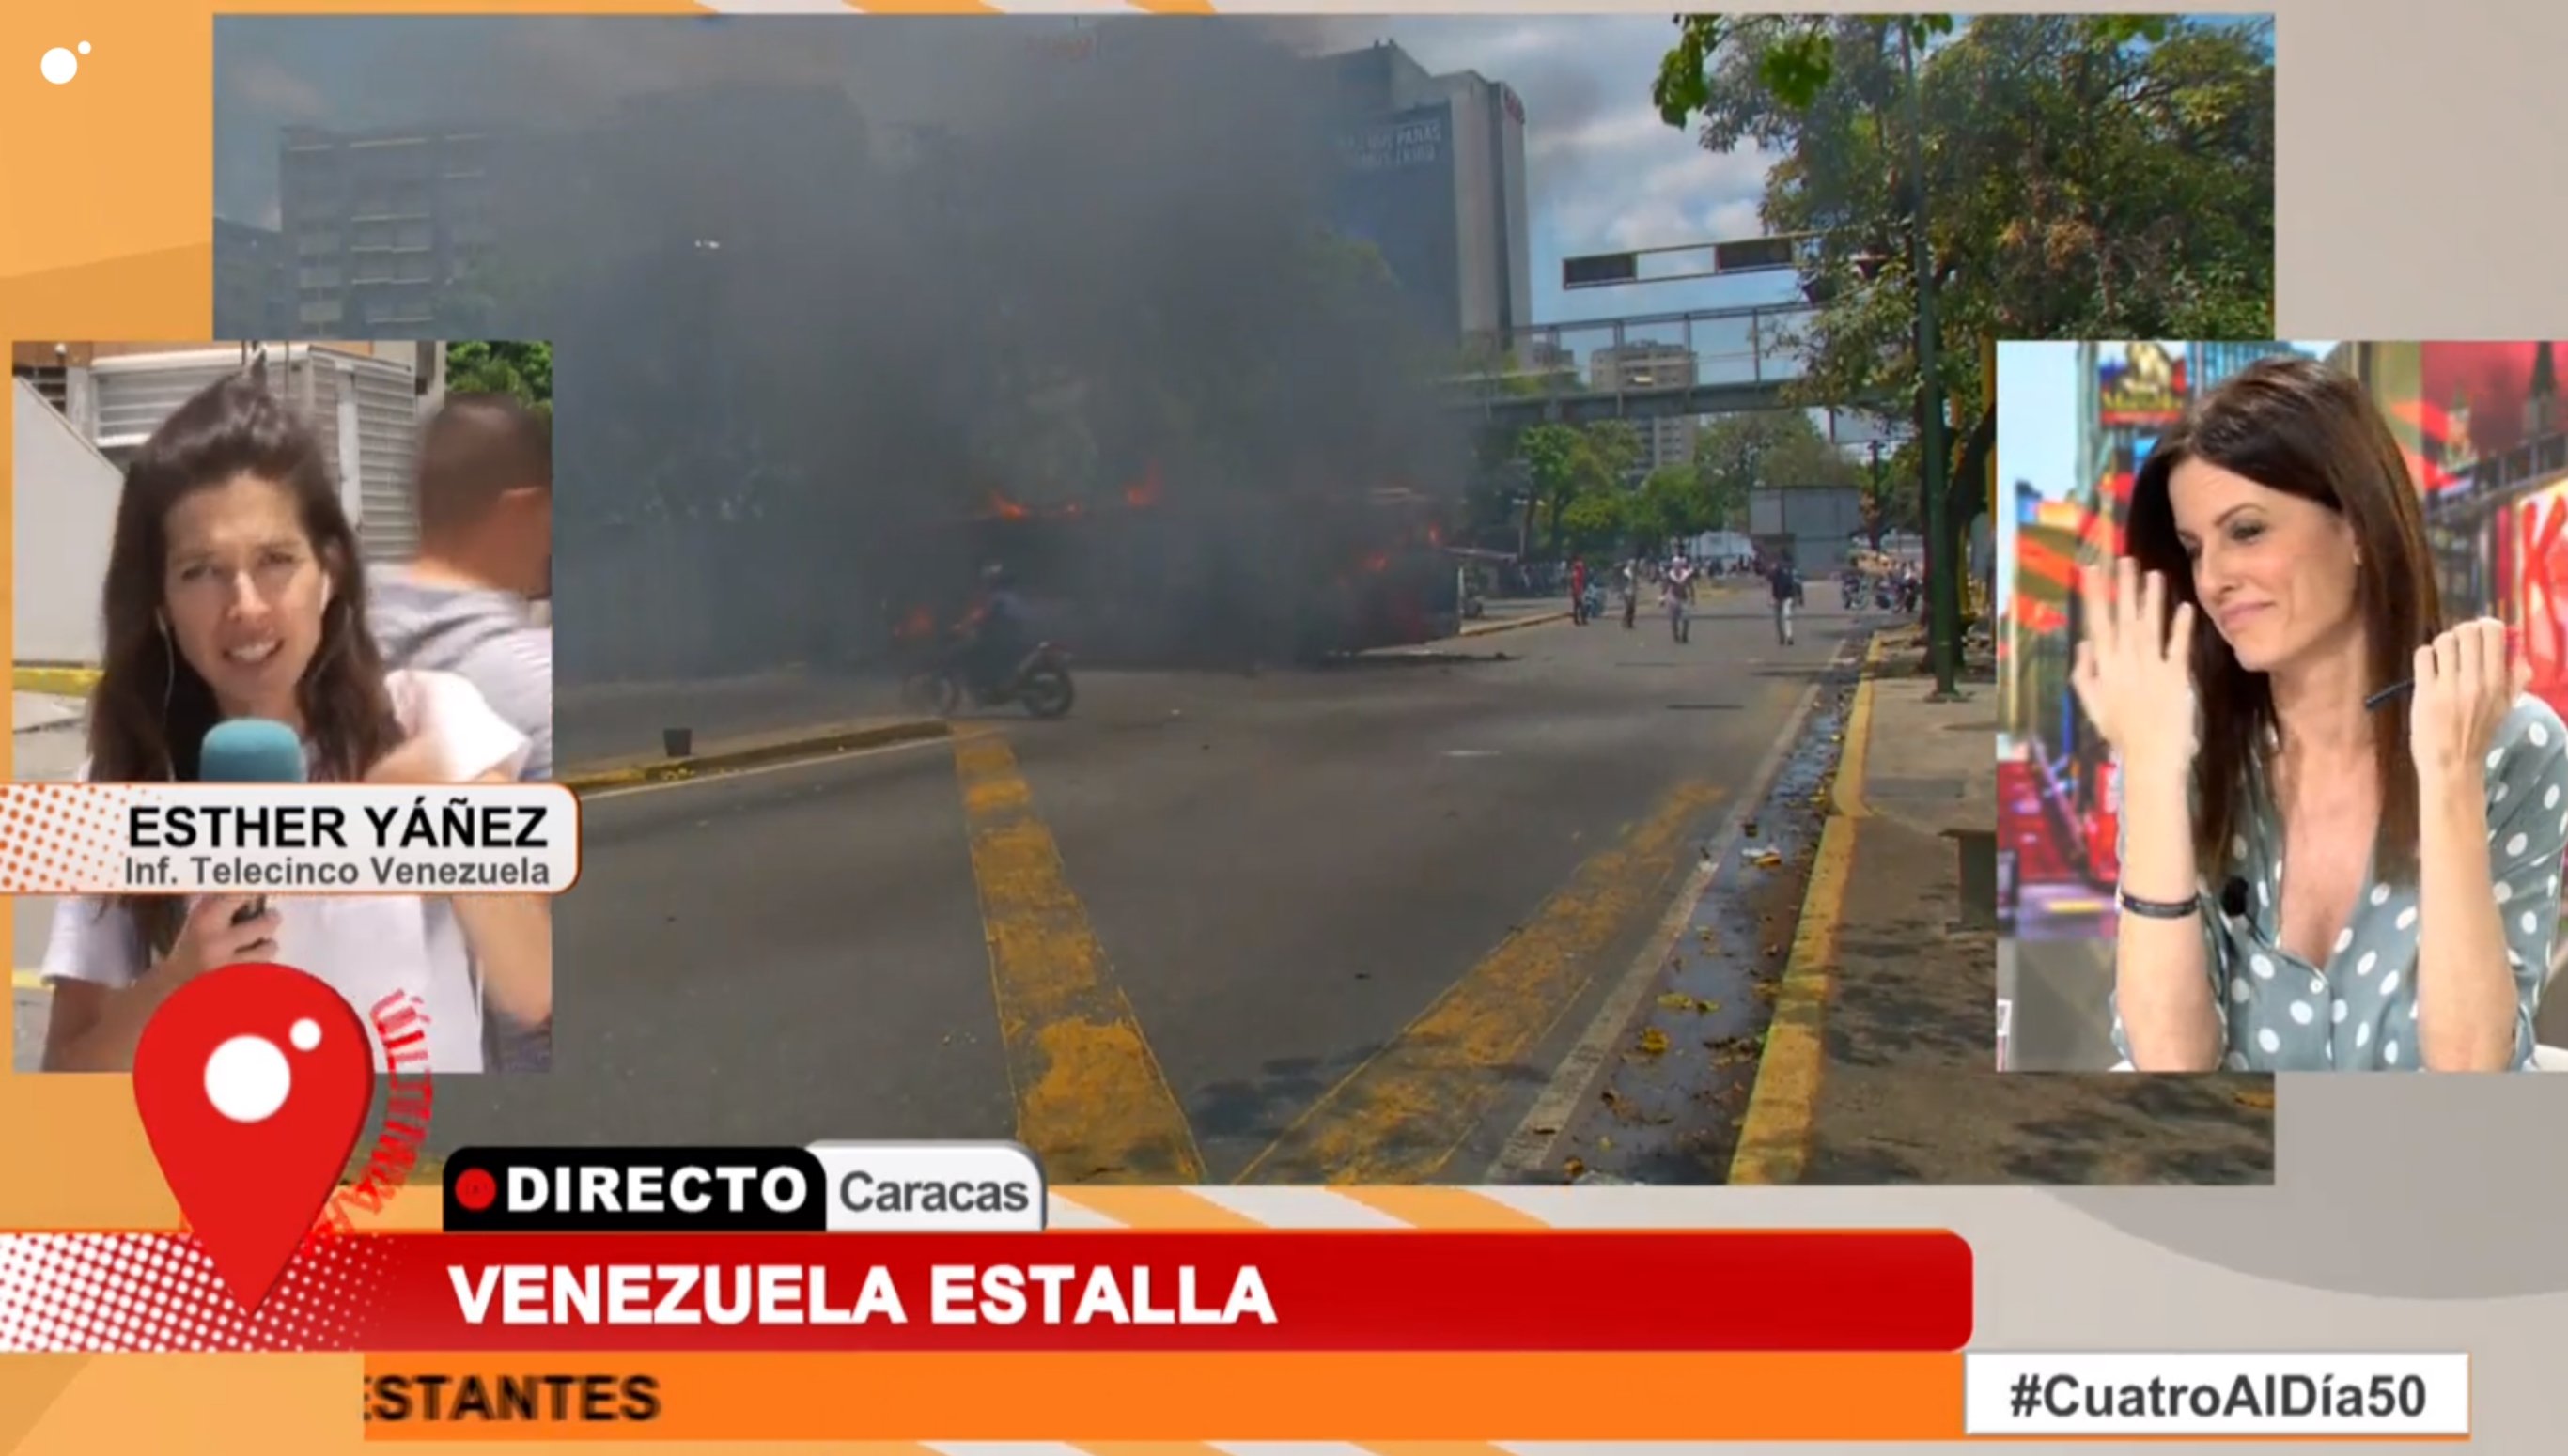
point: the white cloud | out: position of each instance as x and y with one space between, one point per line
1606 173
1638 197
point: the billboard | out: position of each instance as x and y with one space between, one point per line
2474 401
2142 382
1395 190
2533 583
1415 139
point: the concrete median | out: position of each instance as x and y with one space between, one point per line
1510 624
60 680
754 751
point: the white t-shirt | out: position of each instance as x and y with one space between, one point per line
365 946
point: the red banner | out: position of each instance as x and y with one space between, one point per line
1117 1291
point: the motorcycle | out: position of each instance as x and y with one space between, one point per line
1041 683
1853 590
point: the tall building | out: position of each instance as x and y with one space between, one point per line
1647 365
1433 175
253 281
379 222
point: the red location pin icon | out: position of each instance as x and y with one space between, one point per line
254 1082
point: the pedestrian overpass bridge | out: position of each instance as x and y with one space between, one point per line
1725 361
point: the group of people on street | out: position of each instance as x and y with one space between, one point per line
1677 582
1897 585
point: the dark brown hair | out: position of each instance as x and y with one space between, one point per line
151 710
477 447
2294 424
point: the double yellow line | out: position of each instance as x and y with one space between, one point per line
1091 1100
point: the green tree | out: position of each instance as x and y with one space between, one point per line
1891 492
2084 176
1610 449
1594 522
1738 453
1555 458
1671 504
521 371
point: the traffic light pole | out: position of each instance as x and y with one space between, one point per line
1942 575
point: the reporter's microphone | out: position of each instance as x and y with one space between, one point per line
250 750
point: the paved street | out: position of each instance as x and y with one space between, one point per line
1295 925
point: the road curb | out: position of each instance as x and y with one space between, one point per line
758 755
1484 629
1782 1103
1529 1154
59 680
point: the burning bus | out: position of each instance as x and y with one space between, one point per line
1146 578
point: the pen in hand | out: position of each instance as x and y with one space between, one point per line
2406 684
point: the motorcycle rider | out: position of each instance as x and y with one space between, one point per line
996 640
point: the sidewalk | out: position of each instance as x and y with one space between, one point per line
1879 1068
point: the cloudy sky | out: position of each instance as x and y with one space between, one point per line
1605 174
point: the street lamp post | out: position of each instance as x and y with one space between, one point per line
1943 581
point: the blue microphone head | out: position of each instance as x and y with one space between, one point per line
250 750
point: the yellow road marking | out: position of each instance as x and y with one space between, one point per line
1404 1113
1091 1101
1775 1137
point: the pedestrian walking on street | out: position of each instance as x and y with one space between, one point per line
1787 584
1630 594
1578 591
1677 594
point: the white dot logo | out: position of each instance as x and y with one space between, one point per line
61 65
248 1078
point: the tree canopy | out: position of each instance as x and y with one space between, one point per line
2084 176
522 371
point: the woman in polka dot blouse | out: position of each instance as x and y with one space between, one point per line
2327 722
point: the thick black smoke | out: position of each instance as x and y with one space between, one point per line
824 291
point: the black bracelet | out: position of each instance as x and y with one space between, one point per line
2159 909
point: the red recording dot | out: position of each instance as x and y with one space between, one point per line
476 1189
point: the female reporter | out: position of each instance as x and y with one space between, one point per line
235 589
2423 836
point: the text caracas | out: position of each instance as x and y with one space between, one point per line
773 1293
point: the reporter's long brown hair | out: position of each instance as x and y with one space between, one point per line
150 710
2294 425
